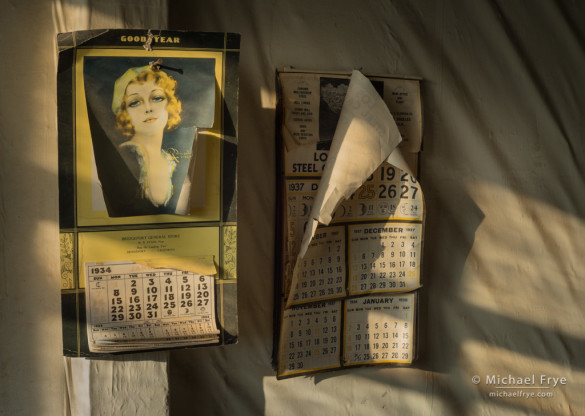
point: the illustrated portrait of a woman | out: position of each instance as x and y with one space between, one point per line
145 106
143 148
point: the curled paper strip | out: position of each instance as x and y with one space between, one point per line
365 136
203 265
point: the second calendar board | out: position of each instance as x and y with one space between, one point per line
352 299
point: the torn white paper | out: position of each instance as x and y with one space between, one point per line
365 136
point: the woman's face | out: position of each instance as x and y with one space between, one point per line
147 106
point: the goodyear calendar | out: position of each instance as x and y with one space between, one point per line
147 189
350 221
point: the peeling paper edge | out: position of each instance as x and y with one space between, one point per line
203 265
394 155
98 33
324 208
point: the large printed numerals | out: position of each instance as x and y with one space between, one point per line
186 293
202 292
153 295
134 303
134 291
388 193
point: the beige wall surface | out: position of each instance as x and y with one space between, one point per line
31 367
502 171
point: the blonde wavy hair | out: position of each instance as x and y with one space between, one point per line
174 107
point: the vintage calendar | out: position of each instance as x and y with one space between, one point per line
128 304
147 189
350 298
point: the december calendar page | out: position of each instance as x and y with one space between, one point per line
147 189
348 295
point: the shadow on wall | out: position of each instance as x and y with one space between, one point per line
229 379
498 297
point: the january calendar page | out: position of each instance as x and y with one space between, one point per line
348 296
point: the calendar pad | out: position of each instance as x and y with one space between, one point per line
375 330
388 194
133 307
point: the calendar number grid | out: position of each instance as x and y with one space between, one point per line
371 251
310 338
384 257
158 304
388 194
379 330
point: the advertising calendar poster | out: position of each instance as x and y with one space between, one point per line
147 189
350 221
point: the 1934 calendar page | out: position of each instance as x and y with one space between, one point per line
147 185
351 221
